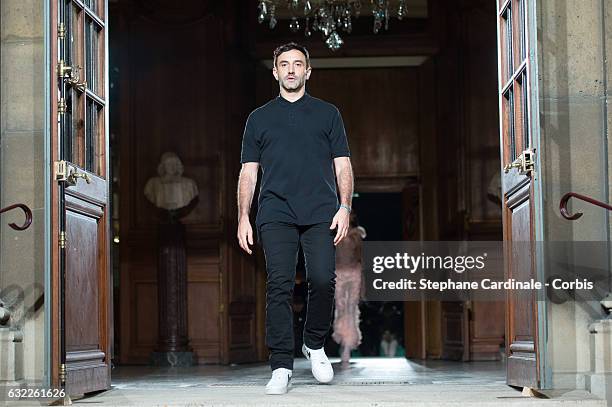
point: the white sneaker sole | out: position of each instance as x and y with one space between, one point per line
273 391
319 379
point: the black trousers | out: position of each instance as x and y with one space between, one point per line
280 243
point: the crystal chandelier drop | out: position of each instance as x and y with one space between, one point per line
330 16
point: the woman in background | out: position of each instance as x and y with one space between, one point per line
348 290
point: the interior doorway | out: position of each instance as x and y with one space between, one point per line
380 214
420 143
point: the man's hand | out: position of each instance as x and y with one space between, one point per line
245 234
246 189
341 220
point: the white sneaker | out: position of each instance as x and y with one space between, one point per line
280 381
321 367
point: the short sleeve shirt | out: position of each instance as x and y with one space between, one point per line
295 144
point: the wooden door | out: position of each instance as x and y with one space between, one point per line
518 155
81 318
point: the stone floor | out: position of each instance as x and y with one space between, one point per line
367 382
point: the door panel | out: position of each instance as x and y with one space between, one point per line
521 329
82 318
518 180
86 312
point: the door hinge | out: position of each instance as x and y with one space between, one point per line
61 106
62 373
61 31
62 171
62 239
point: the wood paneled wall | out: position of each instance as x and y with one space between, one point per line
178 73
466 77
468 164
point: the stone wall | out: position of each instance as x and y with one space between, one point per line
573 48
22 179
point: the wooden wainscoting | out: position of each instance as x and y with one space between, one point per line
139 305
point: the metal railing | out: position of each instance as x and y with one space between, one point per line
26 211
563 205
5 313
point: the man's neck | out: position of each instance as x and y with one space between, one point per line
292 96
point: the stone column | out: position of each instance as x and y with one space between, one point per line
599 382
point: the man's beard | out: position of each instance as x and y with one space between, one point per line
300 84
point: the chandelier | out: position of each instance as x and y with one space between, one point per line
329 17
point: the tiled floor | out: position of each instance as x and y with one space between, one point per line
372 382
363 371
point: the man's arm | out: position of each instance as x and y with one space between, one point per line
344 178
246 189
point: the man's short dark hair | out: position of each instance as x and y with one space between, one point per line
288 47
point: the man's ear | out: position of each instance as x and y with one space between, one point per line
275 73
308 72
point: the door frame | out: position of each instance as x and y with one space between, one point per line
538 220
415 312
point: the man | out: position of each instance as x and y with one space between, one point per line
300 142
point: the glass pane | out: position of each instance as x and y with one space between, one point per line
73 57
509 56
522 45
509 113
91 54
24 142
69 128
73 130
73 44
91 136
72 24
93 5
525 110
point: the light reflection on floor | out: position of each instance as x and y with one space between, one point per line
362 371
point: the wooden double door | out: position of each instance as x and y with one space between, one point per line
521 211
81 334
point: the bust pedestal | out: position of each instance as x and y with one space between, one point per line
173 344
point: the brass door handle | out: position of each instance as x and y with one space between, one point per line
524 163
74 80
72 178
72 76
518 163
68 173
75 83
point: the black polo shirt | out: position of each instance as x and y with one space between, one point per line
295 144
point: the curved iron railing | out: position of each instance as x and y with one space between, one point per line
27 212
563 205
5 313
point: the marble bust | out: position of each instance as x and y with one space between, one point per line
170 190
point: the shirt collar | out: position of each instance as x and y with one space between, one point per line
285 102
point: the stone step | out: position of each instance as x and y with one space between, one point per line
371 395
